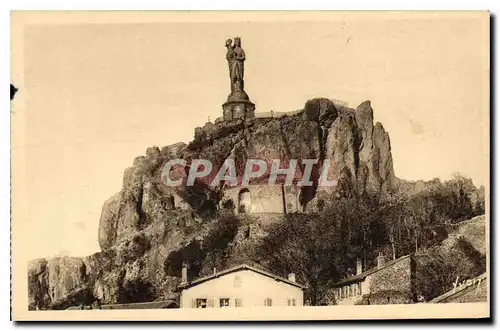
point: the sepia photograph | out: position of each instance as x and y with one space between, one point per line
279 165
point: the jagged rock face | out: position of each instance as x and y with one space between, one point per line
108 221
144 199
147 228
375 158
51 280
342 151
133 264
359 153
382 157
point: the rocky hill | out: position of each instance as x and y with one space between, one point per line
147 230
473 231
460 256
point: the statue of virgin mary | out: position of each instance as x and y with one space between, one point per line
235 57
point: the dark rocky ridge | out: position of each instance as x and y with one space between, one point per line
147 228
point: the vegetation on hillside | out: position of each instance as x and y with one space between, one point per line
322 248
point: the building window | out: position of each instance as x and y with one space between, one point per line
224 302
237 281
268 302
291 302
238 303
201 303
360 289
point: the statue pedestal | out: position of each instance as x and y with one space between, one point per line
238 106
238 109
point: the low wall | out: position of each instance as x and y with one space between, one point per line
139 305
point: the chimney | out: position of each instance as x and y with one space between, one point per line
380 260
291 277
359 266
184 279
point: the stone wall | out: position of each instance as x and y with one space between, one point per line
393 284
264 198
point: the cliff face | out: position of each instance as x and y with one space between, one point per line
147 228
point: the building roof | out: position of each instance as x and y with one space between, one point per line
238 268
461 290
363 275
137 305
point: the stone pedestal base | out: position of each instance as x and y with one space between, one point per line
238 105
238 109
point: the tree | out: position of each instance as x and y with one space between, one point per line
461 190
438 270
137 290
321 248
308 248
393 213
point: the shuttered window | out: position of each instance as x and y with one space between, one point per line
238 303
224 302
268 302
202 303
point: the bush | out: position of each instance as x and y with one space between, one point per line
136 291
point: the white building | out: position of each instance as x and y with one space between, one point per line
240 286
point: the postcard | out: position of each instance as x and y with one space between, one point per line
250 165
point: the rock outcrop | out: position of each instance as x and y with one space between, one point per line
148 229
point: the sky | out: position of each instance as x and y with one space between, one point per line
96 95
